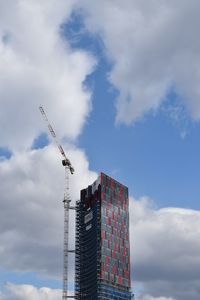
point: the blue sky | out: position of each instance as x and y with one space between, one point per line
151 156
119 82
156 152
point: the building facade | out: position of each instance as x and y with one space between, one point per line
102 242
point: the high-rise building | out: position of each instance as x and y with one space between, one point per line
102 242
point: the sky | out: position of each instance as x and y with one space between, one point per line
119 81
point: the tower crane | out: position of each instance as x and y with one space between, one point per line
66 201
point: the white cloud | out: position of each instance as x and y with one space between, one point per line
37 67
31 209
148 297
165 250
24 292
164 242
153 46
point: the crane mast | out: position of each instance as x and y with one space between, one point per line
66 201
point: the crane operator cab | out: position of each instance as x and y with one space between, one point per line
66 163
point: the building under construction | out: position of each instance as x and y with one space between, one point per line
102 254
102 261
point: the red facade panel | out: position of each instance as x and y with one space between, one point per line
115 230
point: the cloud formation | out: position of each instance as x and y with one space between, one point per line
31 209
153 47
24 292
165 250
39 67
148 297
164 242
